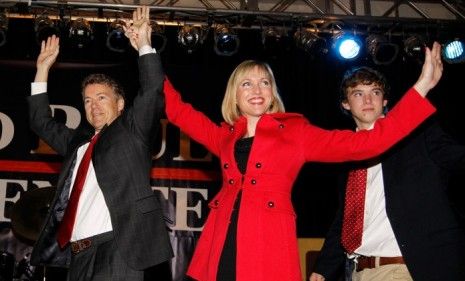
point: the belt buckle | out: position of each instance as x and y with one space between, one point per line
80 245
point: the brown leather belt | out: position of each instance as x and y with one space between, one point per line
80 245
370 262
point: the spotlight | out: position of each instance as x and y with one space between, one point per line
271 39
3 28
453 51
44 28
80 33
308 40
190 37
347 46
414 47
158 37
116 40
381 50
226 41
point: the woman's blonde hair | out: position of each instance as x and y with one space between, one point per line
229 108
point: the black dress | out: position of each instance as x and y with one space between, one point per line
227 263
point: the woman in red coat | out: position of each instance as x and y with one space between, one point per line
250 232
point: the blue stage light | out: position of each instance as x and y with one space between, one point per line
116 40
347 47
453 52
226 41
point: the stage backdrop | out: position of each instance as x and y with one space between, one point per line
184 175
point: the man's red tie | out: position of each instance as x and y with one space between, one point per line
67 223
352 226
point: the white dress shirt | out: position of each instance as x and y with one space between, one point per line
378 238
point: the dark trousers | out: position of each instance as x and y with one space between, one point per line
101 262
349 269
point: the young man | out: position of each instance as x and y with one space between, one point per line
408 229
105 222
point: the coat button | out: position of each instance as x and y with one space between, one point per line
231 181
258 165
216 203
271 204
226 165
281 126
253 181
231 129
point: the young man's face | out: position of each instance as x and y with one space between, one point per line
365 103
102 105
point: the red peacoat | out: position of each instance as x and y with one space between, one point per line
266 232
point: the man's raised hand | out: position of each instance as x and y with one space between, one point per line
49 50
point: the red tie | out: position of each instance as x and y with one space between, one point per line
352 227
67 223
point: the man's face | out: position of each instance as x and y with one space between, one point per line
365 103
102 105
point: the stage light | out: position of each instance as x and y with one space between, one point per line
381 50
272 39
3 28
226 41
80 33
347 46
44 28
158 37
454 51
190 37
116 40
414 47
308 40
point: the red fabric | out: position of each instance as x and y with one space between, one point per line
67 223
352 227
266 233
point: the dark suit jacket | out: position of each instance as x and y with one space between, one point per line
429 234
122 160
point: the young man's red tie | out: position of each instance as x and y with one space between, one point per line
354 207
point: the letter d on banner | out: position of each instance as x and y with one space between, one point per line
8 130
73 119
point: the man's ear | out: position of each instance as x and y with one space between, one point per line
120 105
345 105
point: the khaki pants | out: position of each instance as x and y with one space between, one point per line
397 272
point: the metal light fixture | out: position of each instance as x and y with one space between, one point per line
308 40
414 47
274 39
190 37
80 33
381 50
271 37
3 28
116 40
226 41
44 28
158 37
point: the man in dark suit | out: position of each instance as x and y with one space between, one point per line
410 231
118 230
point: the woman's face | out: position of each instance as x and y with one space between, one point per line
254 93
